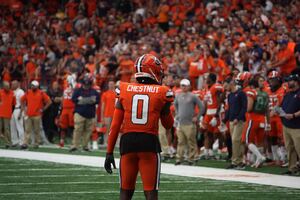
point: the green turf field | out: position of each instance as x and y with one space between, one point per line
35 180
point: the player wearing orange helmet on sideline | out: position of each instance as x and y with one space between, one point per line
275 136
138 110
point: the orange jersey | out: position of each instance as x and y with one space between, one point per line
67 102
35 101
142 106
7 101
211 98
200 93
275 98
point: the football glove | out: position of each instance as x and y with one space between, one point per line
109 160
213 122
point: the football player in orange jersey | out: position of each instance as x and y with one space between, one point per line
138 109
66 119
211 120
275 137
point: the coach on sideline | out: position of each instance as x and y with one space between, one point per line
236 115
85 98
291 122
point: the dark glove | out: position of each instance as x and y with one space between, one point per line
109 160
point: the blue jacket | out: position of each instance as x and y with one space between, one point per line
291 104
237 106
85 102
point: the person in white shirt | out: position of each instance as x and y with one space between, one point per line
16 122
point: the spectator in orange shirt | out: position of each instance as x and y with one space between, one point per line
90 65
31 69
285 58
7 102
37 102
163 16
108 107
125 69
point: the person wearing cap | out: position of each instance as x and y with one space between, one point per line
185 103
85 99
291 123
36 102
7 103
285 59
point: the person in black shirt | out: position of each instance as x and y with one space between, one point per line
49 115
291 122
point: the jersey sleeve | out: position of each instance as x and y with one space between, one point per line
168 94
251 94
218 88
46 98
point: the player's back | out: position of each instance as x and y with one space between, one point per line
211 98
142 104
67 98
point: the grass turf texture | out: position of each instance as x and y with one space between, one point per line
33 180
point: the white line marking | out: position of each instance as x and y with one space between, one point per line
171 169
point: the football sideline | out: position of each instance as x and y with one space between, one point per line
169 169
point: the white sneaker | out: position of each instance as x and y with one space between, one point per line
259 162
172 151
95 145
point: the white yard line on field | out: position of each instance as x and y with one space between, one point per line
189 171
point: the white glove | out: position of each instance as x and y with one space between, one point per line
267 127
222 128
213 122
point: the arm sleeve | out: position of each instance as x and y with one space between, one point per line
176 104
166 117
75 96
200 106
244 102
97 97
226 117
46 98
115 128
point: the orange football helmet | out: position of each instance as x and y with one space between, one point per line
243 78
148 66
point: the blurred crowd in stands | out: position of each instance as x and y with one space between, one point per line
48 41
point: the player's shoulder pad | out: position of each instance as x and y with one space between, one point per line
251 93
218 86
121 87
